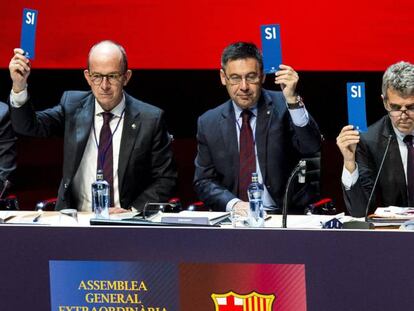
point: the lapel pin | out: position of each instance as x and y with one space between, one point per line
133 126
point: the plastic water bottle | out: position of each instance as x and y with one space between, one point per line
100 196
256 213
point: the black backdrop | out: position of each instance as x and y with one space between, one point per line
184 95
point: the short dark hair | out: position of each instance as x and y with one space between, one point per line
124 60
241 50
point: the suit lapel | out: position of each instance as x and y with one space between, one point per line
227 125
130 131
84 117
393 163
264 116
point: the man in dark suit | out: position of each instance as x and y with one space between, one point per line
255 131
364 152
137 145
7 147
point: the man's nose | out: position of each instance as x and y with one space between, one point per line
243 84
404 114
105 83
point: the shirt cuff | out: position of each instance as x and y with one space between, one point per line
18 99
300 116
231 203
349 179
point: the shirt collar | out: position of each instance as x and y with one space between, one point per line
116 111
238 110
400 136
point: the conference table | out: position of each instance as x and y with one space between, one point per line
187 268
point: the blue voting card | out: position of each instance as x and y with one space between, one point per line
271 47
356 105
28 35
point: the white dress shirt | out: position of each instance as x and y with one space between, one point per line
86 173
300 117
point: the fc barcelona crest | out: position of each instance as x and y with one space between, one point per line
232 301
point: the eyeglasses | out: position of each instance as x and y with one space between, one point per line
111 78
396 111
251 78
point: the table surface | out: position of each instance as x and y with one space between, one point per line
55 218
345 269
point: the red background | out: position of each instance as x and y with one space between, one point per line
187 34
285 281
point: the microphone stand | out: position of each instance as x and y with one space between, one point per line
301 169
366 224
376 179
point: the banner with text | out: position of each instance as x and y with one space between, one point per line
161 286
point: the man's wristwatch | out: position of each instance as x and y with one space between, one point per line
298 104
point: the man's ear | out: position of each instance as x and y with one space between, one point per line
263 77
128 76
223 77
87 77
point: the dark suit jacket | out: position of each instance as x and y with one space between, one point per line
391 188
7 145
279 146
146 168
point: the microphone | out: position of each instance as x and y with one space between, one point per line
5 186
302 172
299 169
366 224
161 207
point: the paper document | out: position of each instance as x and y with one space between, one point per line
392 215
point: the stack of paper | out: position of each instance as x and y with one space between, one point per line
392 215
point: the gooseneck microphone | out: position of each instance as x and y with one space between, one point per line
6 185
366 224
146 213
299 169
371 195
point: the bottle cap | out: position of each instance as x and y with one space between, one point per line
99 175
254 177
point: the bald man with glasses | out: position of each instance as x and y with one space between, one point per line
256 130
363 152
103 129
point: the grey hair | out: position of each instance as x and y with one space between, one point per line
124 60
400 78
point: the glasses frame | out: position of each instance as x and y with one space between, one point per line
245 78
109 77
398 113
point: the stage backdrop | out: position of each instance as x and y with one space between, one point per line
321 35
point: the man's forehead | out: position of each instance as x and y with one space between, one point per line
105 61
393 98
243 65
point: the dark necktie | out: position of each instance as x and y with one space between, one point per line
410 169
105 155
247 155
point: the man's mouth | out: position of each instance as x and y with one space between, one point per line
244 96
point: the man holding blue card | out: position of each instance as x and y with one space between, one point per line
256 130
388 141
104 128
